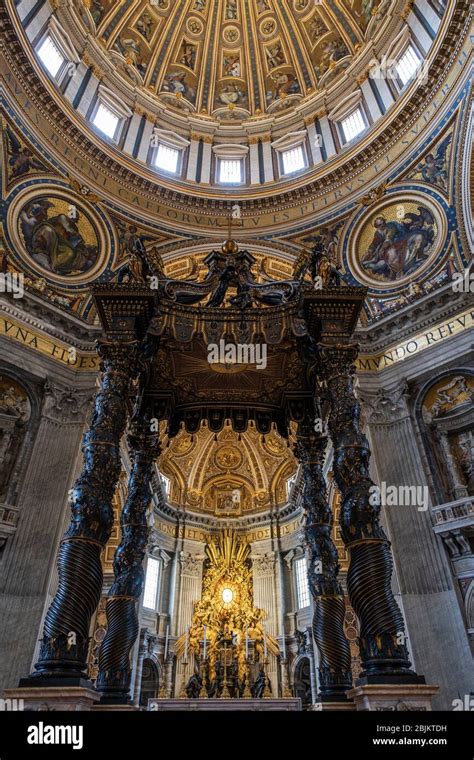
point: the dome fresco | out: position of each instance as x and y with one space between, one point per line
232 59
273 91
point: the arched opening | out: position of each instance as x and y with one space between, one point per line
302 682
150 682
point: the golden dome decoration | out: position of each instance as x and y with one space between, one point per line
231 59
228 477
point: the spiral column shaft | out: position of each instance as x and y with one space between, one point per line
64 645
114 675
382 631
329 608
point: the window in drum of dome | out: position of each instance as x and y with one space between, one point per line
50 56
230 171
106 121
167 158
293 160
407 65
352 125
150 593
302 585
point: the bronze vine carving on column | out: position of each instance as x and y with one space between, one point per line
382 630
114 675
329 607
63 652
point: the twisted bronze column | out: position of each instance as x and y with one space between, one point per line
382 630
64 646
114 675
328 621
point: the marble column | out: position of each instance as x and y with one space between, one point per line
438 639
114 675
65 640
382 630
329 607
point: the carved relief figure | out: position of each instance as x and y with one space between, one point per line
275 56
233 94
132 52
97 11
283 85
465 451
14 413
232 67
176 82
316 28
331 52
146 25
188 55
453 393
13 403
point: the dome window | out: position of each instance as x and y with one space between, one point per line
290 483
167 151
167 159
166 485
293 160
230 163
50 56
106 121
109 114
407 65
291 152
57 53
353 125
231 171
150 594
302 585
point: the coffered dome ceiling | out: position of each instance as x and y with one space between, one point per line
228 474
232 59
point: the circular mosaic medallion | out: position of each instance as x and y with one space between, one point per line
268 27
231 34
58 234
228 458
394 241
182 445
195 26
300 5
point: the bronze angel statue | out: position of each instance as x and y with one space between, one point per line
318 263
